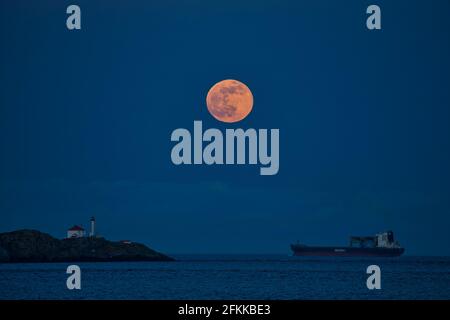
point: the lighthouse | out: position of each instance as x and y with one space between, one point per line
92 233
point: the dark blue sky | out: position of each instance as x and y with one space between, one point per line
86 118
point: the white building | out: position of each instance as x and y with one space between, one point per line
92 233
76 232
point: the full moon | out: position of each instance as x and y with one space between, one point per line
229 101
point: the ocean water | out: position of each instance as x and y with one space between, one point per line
232 277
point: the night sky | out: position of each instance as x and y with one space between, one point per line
86 118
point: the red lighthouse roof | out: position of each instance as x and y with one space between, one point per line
76 228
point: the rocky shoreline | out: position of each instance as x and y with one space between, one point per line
36 246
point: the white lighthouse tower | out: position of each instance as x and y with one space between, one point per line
92 233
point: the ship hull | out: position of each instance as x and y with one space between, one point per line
307 251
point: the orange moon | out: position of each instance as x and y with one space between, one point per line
229 101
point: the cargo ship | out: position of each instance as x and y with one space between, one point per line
380 245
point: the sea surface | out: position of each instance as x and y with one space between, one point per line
232 277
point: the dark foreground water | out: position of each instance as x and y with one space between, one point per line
232 277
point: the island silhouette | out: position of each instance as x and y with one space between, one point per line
35 246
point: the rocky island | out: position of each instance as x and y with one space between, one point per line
36 246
